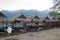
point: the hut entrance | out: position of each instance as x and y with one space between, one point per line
37 23
18 23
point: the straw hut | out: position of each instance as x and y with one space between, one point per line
19 21
36 20
3 19
33 19
47 21
3 24
52 21
57 21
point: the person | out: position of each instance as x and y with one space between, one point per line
9 30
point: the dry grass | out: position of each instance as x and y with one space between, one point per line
51 34
15 33
12 34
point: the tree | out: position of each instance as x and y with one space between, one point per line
55 10
55 1
52 13
56 6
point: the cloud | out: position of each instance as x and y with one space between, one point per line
25 4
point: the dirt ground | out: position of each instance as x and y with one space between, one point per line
51 34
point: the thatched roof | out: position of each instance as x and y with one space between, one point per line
2 17
42 18
13 18
48 18
10 20
30 17
36 17
19 17
22 16
33 17
24 20
51 19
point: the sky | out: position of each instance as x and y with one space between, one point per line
25 4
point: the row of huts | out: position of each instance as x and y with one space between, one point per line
21 21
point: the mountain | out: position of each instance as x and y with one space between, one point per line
9 14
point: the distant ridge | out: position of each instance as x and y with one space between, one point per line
9 14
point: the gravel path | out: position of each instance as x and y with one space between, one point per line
52 34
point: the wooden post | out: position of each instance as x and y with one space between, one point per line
15 24
2 22
6 23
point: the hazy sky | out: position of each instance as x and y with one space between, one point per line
25 4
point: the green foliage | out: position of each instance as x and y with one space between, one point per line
56 5
52 13
55 9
